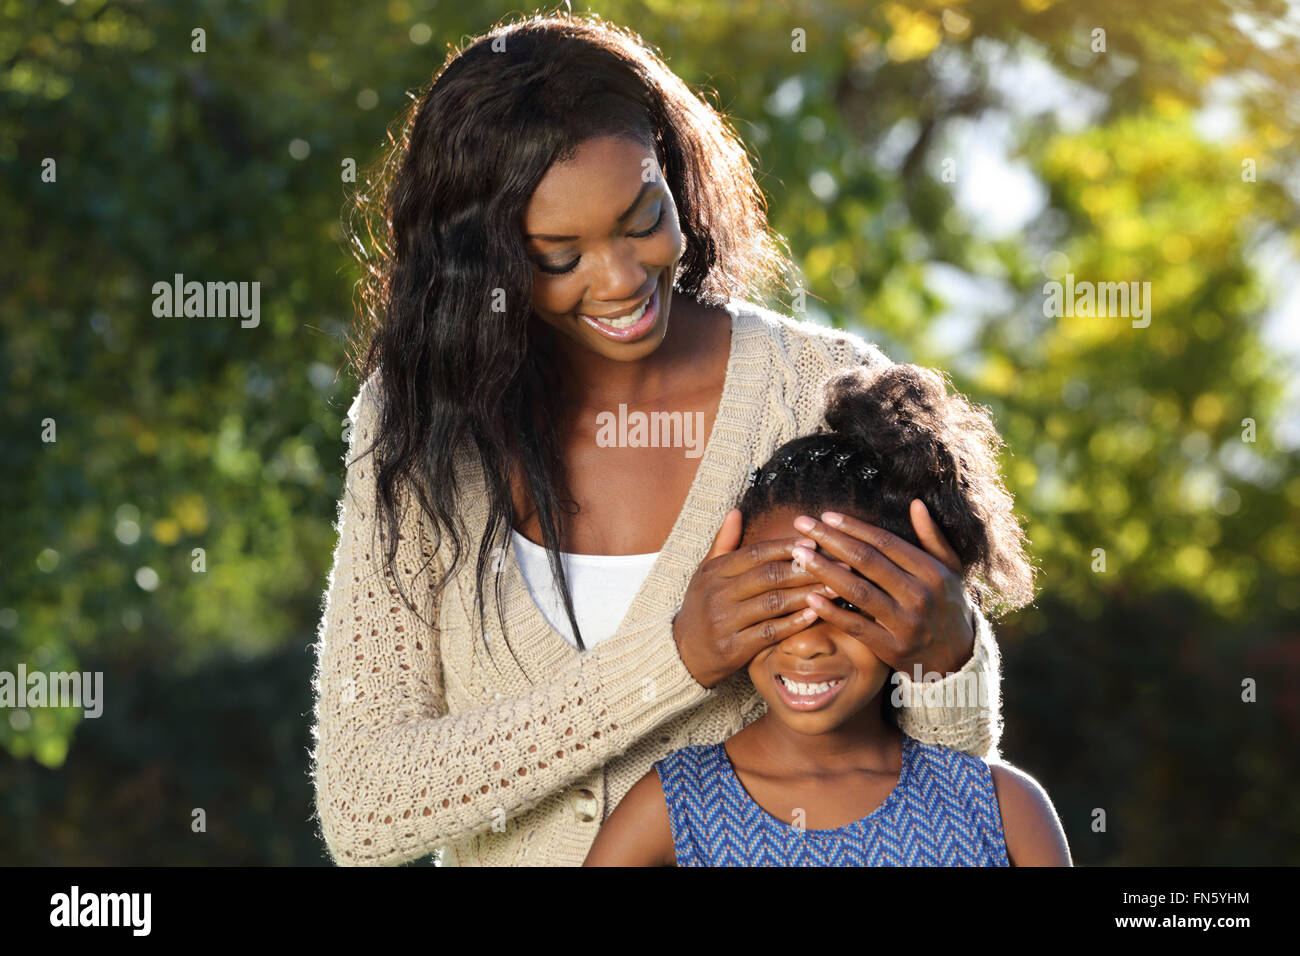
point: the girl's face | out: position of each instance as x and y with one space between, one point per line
603 235
819 653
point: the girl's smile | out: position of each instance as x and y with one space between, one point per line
804 693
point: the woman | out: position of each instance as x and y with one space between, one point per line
570 237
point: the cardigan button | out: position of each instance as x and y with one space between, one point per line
584 805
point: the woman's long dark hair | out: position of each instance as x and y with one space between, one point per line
447 246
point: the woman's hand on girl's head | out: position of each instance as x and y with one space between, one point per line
911 604
741 601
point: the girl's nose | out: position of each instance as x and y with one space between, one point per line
812 641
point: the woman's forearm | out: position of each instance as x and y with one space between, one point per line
397 777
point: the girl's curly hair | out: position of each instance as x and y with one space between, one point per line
893 434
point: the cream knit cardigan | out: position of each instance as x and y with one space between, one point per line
425 743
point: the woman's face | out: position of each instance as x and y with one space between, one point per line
602 232
820 652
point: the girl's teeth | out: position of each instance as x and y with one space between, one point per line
627 321
809 690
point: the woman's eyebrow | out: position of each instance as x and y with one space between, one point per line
626 212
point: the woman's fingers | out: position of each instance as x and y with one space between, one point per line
927 614
906 556
760 565
772 603
762 581
856 586
877 639
928 533
773 630
865 559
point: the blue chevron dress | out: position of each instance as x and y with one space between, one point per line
943 812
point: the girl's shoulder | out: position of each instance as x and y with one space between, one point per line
955 778
692 761
692 776
1018 791
1030 826
961 770
949 755
1032 829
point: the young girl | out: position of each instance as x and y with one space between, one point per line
825 777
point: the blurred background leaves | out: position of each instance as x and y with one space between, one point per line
932 164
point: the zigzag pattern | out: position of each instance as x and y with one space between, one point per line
943 812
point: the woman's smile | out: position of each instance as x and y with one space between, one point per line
627 326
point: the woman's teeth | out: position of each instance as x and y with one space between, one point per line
809 690
625 321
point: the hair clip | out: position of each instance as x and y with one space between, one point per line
769 477
753 476
866 472
818 453
842 459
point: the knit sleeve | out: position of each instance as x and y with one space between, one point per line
396 776
961 711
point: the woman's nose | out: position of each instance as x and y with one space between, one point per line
623 277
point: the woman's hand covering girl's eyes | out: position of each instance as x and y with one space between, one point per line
911 605
740 601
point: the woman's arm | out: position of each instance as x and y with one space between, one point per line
637 833
1030 825
396 776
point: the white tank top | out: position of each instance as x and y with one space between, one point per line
602 587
